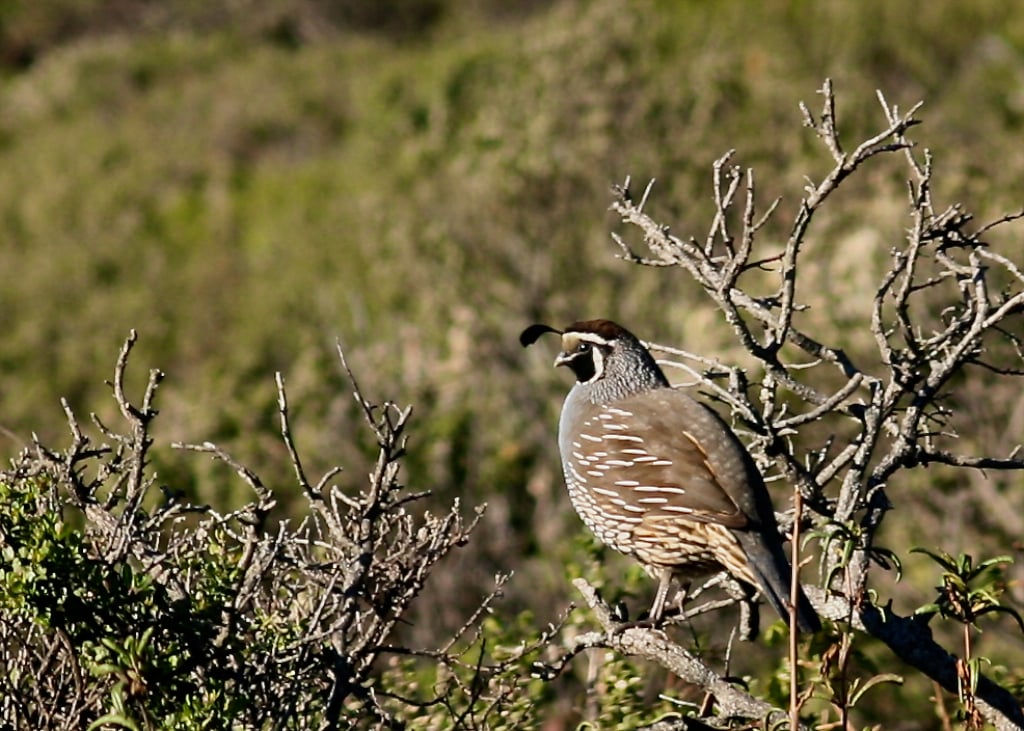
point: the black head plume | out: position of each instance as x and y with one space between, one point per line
530 335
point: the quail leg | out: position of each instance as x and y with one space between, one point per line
664 583
680 600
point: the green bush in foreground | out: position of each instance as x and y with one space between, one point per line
123 605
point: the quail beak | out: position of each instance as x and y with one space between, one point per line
563 359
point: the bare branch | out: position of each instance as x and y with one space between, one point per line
655 646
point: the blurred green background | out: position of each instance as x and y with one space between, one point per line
247 183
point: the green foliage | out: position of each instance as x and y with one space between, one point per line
625 698
138 643
969 591
507 701
844 672
841 540
38 552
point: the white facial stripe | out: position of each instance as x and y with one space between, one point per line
586 337
598 355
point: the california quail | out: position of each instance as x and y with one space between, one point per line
659 476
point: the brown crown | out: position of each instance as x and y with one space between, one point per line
605 329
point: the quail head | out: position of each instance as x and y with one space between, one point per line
661 477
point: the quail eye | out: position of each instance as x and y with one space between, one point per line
583 348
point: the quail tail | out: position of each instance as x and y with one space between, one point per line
769 564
